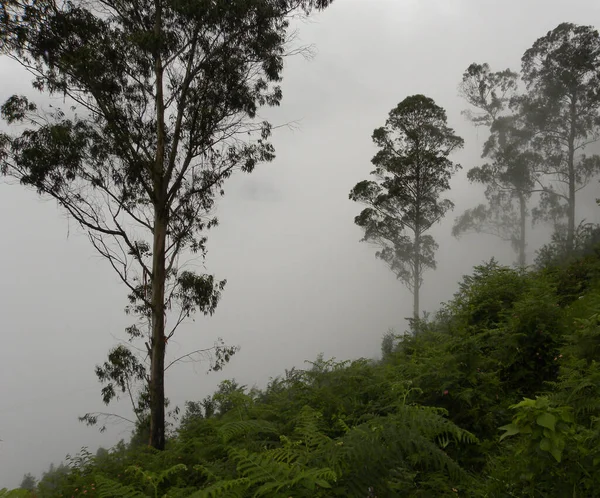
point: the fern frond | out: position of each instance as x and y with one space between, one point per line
309 428
107 488
256 467
287 454
165 474
232 430
231 488
307 478
268 475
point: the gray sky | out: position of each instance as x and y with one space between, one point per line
299 282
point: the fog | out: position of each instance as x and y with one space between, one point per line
299 281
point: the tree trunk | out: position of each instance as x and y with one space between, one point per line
571 174
158 342
417 242
523 226
416 279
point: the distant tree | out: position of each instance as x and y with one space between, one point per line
586 242
488 92
388 342
102 452
562 73
161 108
29 482
225 397
508 176
52 480
412 170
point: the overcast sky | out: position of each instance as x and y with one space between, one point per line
299 281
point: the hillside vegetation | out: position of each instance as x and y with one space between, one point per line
497 395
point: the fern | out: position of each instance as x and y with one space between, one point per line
235 429
153 479
107 488
409 440
277 475
309 428
309 479
231 488
268 473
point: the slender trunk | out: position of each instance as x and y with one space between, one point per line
157 373
417 242
158 342
523 220
416 278
571 174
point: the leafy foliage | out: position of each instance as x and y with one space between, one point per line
108 488
15 493
496 396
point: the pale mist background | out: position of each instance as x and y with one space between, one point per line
299 282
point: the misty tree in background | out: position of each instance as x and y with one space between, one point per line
562 73
508 176
412 170
160 108
389 342
29 482
52 479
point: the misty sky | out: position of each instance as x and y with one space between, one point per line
299 281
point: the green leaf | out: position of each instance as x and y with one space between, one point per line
511 430
546 444
526 403
556 453
547 420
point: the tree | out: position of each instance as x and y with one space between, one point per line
508 176
161 108
53 479
412 170
562 73
29 482
388 343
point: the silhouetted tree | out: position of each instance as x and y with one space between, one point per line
562 72
165 95
412 170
